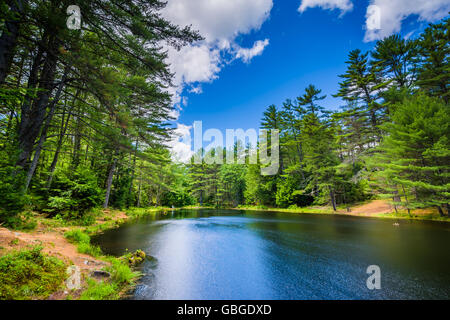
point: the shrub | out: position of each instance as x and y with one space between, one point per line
23 221
29 273
12 199
72 194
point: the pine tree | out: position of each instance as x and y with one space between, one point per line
413 159
434 55
362 84
394 56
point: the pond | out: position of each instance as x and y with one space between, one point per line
229 254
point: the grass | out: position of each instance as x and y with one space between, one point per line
122 276
83 240
291 209
100 291
402 214
122 279
30 274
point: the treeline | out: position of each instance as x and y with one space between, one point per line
84 113
390 140
84 120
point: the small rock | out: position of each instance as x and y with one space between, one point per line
100 274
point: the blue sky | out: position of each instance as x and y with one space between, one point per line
301 48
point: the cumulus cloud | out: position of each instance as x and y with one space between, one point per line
343 5
219 22
392 13
219 19
248 54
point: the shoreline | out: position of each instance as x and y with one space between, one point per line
52 235
371 209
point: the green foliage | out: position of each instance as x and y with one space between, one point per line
73 193
100 139
29 274
434 58
23 221
77 236
413 159
100 291
13 199
84 242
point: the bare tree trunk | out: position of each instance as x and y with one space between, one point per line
139 192
133 170
332 197
77 142
32 121
63 130
110 178
406 200
43 136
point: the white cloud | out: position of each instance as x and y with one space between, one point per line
219 19
197 90
343 5
219 22
247 54
392 13
195 63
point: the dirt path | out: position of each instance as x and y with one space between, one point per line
55 244
372 208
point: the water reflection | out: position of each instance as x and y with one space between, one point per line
224 254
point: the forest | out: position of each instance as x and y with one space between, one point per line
85 117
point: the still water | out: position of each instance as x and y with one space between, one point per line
222 254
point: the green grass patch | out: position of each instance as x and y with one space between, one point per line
30 274
100 291
83 240
403 214
122 276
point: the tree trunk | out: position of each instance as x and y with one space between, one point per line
441 213
31 122
77 140
139 193
332 197
110 178
406 200
43 136
130 190
10 34
63 130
